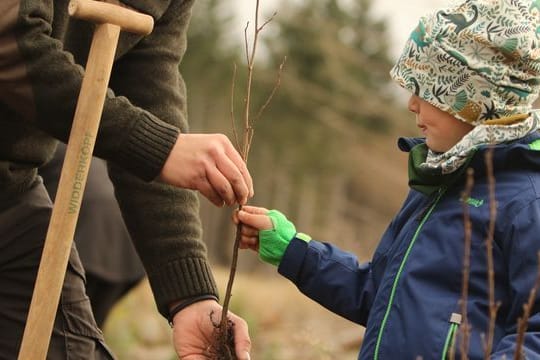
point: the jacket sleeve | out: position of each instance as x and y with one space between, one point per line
331 277
522 246
163 220
40 83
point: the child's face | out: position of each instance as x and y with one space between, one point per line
442 130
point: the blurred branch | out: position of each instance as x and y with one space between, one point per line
233 118
465 328
522 321
274 89
493 306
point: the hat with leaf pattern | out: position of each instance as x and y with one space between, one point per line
477 60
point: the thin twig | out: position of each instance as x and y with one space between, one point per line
276 86
464 328
232 274
233 118
267 21
250 66
243 148
522 321
248 125
243 152
493 306
246 43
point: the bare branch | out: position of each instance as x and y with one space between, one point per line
248 130
493 306
232 273
465 328
243 149
267 21
257 15
522 321
246 46
233 118
276 86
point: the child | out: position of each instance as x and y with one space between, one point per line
474 71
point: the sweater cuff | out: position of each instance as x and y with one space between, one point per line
292 260
181 280
148 146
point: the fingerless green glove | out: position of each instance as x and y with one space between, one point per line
274 242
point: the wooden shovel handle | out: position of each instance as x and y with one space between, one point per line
110 20
104 13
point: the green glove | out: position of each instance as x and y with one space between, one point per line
274 242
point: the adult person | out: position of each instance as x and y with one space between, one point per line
111 264
144 137
473 71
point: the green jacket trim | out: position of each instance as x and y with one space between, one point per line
400 270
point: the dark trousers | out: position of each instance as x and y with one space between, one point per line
104 294
23 226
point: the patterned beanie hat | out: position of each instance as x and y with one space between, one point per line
477 60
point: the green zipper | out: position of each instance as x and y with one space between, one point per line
396 279
455 320
449 340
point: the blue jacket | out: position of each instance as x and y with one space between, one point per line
408 296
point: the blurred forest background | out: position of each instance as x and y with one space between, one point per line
324 153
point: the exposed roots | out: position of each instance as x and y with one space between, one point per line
222 343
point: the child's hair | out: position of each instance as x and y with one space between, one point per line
477 60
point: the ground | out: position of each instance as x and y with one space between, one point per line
284 324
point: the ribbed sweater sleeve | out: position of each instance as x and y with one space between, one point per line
47 87
144 111
163 220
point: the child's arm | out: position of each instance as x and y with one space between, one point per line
324 273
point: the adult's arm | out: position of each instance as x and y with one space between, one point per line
40 83
163 220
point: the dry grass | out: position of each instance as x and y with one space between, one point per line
284 324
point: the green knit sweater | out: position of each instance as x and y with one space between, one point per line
42 54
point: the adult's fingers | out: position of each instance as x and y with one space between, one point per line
237 185
242 342
208 192
242 167
221 186
260 222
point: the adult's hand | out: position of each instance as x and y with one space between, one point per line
210 164
193 328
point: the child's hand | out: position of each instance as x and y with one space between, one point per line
267 231
253 219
